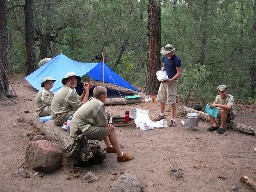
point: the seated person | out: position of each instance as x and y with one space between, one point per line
225 103
66 101
90 119
44 97
80 88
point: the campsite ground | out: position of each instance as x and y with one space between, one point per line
207 161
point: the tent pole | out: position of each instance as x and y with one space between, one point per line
102 67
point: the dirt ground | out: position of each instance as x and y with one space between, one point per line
207 162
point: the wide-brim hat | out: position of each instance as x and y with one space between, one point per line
48 79
167 49
70 74
221 87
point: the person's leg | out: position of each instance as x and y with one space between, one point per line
162 107
223 118
213 121
161 97
214 126
173 110
111 139
171 95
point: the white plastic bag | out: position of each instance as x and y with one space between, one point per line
161 75
142 120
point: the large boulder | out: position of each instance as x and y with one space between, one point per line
44 156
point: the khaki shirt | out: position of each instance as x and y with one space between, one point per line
65 100
91 114
228 101
42 100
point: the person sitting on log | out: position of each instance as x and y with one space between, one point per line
66 101
44 97
90 119
225 103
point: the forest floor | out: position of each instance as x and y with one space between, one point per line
207 162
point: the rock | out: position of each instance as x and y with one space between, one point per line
44 156
127 183
91 177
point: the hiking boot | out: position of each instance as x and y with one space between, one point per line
124 158
212 128
110 150
221 130
160 117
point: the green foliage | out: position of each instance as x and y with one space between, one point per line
215 39
193 84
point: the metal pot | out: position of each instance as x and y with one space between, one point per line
192 120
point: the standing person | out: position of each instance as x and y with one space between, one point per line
44 97
168 88
66 101
225 103
91 120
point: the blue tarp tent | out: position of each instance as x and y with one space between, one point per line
60 65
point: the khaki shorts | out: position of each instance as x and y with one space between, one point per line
96 133
61 118
46 111
167 92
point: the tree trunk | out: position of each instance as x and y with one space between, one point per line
154 42
4 65
29 36
252 68
202 56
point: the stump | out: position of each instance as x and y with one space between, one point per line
230 124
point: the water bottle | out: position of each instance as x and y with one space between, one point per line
68 124
126 117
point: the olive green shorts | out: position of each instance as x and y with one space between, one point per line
96 133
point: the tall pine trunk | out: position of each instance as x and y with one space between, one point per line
29 36
4 64
154 42
252 69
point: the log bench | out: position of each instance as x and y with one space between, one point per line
231 125
78 150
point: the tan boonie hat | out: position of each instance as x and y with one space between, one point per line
167 49
70 74
48 79
221 87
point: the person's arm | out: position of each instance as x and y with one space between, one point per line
162 69
175 77
85 95
226 107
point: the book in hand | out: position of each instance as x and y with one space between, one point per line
212 111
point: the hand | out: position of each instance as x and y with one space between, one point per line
111 127
212 105
86 87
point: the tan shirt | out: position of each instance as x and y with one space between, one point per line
92 113
42 100
228 101
65 100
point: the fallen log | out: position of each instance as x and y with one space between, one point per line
230 124
249 181
79 150
121 101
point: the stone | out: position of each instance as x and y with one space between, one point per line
44 156
127 183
